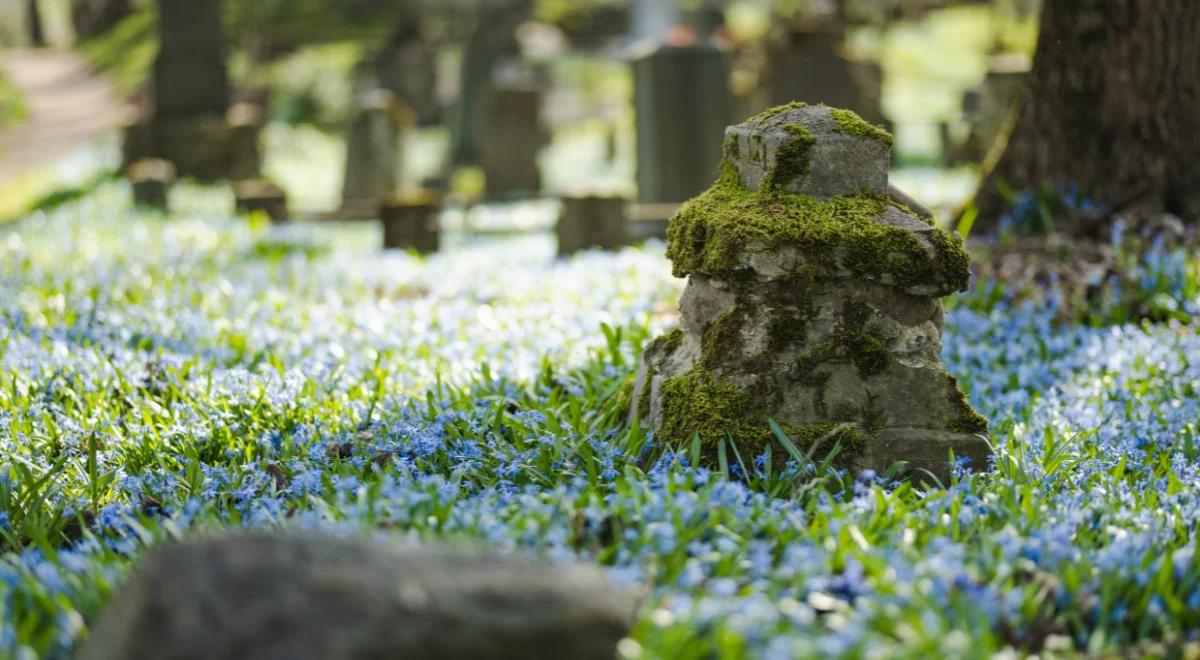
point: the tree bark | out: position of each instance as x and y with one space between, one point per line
1111 106
37 34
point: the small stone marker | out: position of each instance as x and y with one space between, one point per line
151 179
592 221
682 103
512 139
252 195
812 299
316 597
372 155
410 221
246 121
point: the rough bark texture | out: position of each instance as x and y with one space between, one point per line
1113 106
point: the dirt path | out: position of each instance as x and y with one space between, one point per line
68 106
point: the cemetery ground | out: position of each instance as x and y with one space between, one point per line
166 377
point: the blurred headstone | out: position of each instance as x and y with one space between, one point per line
321 597
592 221
150 180
191 89
246 121
683 103
410 221
252 195
513 138
833 329
808 66
372 154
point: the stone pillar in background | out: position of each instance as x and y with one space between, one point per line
410 222
372 155
682 101
191 88
512 139
246 122
809 66
812 299
150 181
261 195
592 221
988 108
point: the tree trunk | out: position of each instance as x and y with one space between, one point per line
1112 106
37 34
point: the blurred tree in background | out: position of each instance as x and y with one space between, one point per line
1110 113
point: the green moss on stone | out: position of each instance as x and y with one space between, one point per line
712 230
667 343
779 109
967 420
791 159
698 403
849 123
731 148
851 341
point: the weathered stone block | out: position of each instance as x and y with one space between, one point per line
813 298
190 77
682 102
150 180
316 597
410 222
592 221
372 154
512 139
253 195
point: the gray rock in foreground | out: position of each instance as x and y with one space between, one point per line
310 597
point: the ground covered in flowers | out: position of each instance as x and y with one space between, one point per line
167 376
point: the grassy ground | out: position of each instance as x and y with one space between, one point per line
162 377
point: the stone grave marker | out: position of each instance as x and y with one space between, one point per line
682 103
410 221
191 88
252 195
321 597
372 155
512 139
150 180
592 221
814 299
246 121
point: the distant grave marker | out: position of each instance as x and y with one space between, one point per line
592 221
513 138
252 195
372 154
150 180
410 221
682 103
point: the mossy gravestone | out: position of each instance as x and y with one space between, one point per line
812 299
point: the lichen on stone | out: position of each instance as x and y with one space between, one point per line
712 230
849 123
